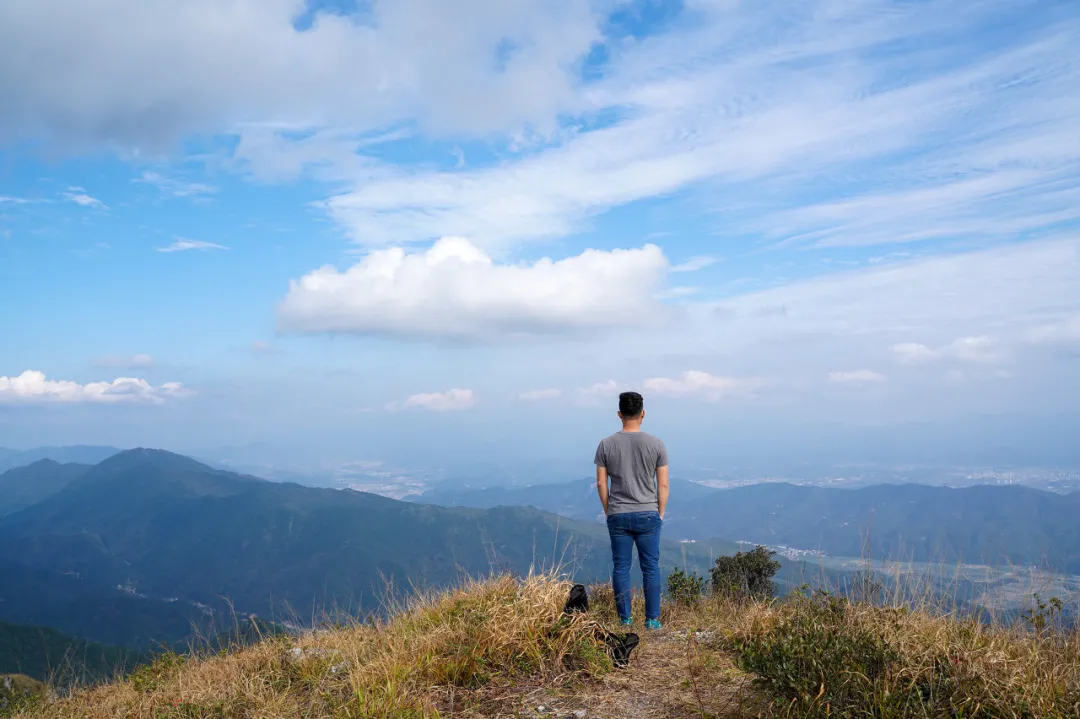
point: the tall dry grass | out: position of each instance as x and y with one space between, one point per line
892 653
441 648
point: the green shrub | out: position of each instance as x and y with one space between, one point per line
818 662
747 575
685 588
149 676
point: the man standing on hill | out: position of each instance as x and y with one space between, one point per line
635 463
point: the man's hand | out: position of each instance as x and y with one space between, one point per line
601 486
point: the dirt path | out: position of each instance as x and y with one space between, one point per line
669 677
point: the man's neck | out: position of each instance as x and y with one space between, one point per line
631 426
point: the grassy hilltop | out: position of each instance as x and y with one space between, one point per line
502 648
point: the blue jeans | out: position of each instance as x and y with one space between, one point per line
626 530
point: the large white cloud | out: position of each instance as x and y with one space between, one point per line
141 73
34 386
455 291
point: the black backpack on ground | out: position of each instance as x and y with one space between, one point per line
619 646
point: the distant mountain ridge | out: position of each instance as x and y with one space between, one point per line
22 487
73 454
995 525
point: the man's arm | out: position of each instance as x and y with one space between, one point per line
601 485
661 489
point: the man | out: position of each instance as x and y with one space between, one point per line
635 463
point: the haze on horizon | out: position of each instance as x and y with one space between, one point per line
842 231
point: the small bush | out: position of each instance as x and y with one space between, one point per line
816 660
20 693
747 575
685 588
149 676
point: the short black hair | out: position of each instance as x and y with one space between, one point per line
631 404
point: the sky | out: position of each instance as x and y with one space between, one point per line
453 232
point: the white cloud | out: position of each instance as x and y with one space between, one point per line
598 393
1067 330
694 264
534 395
33 386
182 244
965 349
455 291
201 66
914 353
81 198
759 106
174 187
139 361
13 200
861 376
695 383
263 347
452 400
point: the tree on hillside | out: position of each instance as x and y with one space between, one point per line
747 575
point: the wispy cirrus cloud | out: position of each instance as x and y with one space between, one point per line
535 395
174 187
137 361
183 244
79 196
756 104
859 376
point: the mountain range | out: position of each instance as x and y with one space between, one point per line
72 454
993 525
146 545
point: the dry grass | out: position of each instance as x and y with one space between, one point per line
457 646
497 648
828 657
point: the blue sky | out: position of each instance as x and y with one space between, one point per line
413 228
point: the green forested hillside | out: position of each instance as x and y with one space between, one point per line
47 654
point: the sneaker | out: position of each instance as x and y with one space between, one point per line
653 624
627 622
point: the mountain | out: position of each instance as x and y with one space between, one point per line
170 535
23 486
995 525
75 454
576 499
49 655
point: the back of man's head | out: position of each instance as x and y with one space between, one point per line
631 405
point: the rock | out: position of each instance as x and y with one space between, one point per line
580 714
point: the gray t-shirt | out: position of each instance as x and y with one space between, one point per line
631 459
